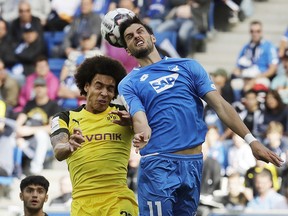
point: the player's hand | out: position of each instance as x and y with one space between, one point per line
260 152
76 139
140 141
125 118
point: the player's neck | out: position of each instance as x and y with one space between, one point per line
38 213
150 59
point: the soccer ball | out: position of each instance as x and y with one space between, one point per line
110 25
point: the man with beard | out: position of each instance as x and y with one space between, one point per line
164 98
34 194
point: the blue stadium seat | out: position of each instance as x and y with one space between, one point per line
56 65
53 41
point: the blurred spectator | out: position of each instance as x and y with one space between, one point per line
215 146
280 81
275 140
223 85
180 20
25 17
33 127
29 49
211 182
200 11
41 70
61 15
66 193
121 55
238 196
211 175
8 10
275 110
267 197
240 157
41 9
283 204
247 82
6 45
283 44
260 165
129 4
153 12
258 57
222 82
86 21
9 88
284 182
68 94
7 144
251 113
225 14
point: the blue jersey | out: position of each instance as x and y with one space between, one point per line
264 55
170 93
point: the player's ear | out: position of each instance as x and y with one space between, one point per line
86 87
46 197
153 38
21 196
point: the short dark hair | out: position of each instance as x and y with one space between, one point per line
98 65
34 180
41 58
256 22
124 25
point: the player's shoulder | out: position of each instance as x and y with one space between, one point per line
65 115
182 61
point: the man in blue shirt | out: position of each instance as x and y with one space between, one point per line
259 56
164 98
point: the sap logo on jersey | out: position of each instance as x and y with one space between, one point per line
164 83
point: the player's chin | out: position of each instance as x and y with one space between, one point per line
101 107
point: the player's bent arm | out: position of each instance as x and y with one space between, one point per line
61 146
226 113
140 124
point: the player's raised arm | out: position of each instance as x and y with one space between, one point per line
230 117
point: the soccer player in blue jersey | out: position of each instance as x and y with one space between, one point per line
164 98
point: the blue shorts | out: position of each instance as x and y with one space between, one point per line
169 184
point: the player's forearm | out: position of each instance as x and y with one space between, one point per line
140 124
61 146
62 151
226 113
230 117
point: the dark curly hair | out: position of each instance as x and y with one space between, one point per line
124 25
34 180
98 65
